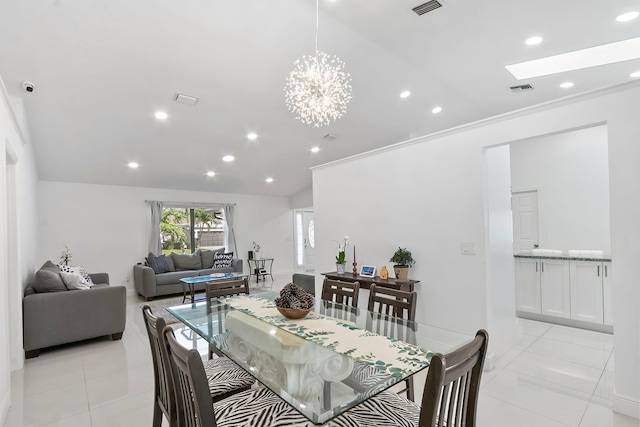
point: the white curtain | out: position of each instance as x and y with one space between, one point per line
229 232
155 243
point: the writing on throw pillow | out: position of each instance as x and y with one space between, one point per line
222 260
77 270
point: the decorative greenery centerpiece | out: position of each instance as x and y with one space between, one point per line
403 260
65 256
341 258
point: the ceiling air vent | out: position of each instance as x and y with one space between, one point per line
427 7
181 98
521 88
330 137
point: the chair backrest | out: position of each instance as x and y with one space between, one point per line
392 302
340 292
305 281
226 288
164 389
193 398
450 395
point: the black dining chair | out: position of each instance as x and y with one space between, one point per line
215 290
224 377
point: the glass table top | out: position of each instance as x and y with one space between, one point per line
213 277
324 364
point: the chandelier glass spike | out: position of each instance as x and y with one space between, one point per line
318 89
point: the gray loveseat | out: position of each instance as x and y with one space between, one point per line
150 284
64 316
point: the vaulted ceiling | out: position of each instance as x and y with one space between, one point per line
101 70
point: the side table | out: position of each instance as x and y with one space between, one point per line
260 268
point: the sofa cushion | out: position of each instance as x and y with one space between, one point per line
174 277
208 271
222 260
48 279
172 266
74 281
159 264
207 257
76 270
187 262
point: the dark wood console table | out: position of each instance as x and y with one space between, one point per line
366 282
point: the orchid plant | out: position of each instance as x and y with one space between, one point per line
341 258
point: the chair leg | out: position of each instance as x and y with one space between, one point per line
410 389
157 414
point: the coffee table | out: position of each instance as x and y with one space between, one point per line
188 283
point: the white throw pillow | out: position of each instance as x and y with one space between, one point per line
74 281
77 270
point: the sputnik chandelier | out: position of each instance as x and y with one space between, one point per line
318 89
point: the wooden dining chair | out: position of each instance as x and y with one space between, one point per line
345 293
226 288
450 396
396 303
224 377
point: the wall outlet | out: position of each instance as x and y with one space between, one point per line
468 248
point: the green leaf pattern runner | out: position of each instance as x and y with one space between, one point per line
389 355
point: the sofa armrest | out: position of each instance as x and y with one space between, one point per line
60 317
144 279
237 265
100 277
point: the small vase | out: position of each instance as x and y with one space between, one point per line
340 268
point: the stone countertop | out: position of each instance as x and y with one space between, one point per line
604 258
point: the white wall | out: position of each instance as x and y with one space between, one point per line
571 173
302 199
428 195
18 228
106 227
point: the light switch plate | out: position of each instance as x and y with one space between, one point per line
468 248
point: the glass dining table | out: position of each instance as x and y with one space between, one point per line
325 363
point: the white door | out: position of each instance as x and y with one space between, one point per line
555 293
309 240
586 291
524 208
527 272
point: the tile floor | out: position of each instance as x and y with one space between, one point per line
555 376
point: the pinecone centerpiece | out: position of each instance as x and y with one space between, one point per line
294 302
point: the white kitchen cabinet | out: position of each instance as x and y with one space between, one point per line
606 293
587 291
555 289
527 272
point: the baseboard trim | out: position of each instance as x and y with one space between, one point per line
608 329
626 405
4 407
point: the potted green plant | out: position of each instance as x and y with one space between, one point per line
65 256
341 258
403 260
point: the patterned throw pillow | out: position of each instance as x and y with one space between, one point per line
159 264
77 270
74 281
222 260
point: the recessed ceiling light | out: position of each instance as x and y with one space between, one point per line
252 135
533 40
211 173
161 115
436 110
228 158
578 60
315 149
635 74
566 85
405 94
269 180
628 16
133 165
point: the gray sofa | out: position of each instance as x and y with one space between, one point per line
53 318
150 284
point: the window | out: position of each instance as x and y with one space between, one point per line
189 229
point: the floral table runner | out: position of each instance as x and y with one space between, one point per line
395 357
